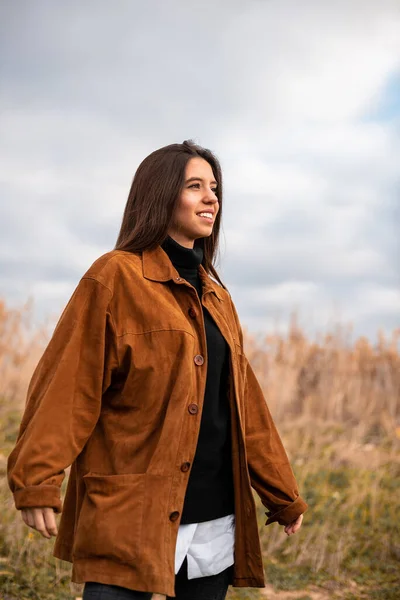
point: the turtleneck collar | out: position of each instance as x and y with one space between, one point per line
181 256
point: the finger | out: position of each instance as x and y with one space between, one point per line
296 527
50 520
288 529
39 522
297 524
29 517
24 517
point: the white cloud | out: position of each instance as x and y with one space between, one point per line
372 299
317 61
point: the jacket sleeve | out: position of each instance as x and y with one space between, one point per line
270 472
63 399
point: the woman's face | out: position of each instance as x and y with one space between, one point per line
198 196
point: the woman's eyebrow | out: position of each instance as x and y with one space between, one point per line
198 179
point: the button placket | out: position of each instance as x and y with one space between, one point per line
194 311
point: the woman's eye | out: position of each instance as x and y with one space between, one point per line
197 185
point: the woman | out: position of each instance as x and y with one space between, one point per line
145 390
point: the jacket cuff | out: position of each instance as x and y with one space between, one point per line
287 514
38 496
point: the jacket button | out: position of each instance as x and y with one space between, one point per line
198 359
185 466
174 515
192 312
193 409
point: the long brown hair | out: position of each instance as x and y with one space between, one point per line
154 194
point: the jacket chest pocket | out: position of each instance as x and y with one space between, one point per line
111 516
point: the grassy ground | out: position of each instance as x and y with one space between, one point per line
348 547
337 406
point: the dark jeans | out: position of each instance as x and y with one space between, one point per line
213 587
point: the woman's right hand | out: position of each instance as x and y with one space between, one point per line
41 519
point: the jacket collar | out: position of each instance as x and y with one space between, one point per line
157 266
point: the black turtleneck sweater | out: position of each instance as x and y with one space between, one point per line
209 494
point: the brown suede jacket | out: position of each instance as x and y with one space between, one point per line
118 395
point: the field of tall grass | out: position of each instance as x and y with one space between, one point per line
337 407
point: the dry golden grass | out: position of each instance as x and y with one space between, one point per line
337 406
330 379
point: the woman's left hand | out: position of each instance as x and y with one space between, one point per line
294 526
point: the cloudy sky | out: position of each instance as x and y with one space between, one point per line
300 100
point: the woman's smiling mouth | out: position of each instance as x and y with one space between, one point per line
207 216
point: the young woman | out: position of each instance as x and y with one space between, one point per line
145 390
